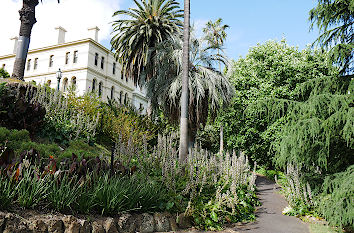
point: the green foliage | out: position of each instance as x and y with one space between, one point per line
31 190
212 214
270 174
336 203
4 74
149 24
335 19
7 193
270 70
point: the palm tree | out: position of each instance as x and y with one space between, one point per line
208 89
152 22
28 19
215 34
335 20
183 140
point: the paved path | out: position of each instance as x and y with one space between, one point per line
269 218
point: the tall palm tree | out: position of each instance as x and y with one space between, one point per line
208 89
152 22
215 34
183 140
28 19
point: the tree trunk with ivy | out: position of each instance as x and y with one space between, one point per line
28 19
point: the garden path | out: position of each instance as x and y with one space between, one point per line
269 215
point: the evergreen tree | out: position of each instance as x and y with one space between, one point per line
335 19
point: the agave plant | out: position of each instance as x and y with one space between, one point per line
209 89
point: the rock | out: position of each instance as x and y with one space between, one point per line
162 223
2 221
85 226
147 223
184 221
14 224
110 226
38 226
55 225
127 223
97 228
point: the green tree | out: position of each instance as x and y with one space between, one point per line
209 90
28 19
4 73
215 34
150 23
269 70
335 19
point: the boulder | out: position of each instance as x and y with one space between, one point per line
184 221
38 226
127 223
55 225
162 223
147 223
14 224
97 227
110 226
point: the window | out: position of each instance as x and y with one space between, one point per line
35 65
93 85
100 89
102 62
73 83
120 97
112 92
67 57
114 68
126 98
51 61
65 84
3 66
29 64
126 78
96 59
76 54
49 82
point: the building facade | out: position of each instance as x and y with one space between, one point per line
86 66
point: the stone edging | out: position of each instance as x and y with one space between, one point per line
125 223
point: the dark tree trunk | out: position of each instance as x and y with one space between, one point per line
28 19
183 144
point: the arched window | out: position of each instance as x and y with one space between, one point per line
102 62
51 60
29 64
35 65
120 97
73 83
126 98
65 84
93 85
100 89
96 59
49 82
112 92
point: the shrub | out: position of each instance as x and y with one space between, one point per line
18 110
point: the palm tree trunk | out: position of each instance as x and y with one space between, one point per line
183 143
28 19
221 139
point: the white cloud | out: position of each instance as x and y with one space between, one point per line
76 16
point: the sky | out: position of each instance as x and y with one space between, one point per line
250 21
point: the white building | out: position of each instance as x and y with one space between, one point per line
86 65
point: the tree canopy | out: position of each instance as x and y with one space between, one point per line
142 28
335 19
270 70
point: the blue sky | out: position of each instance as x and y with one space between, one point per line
254 21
